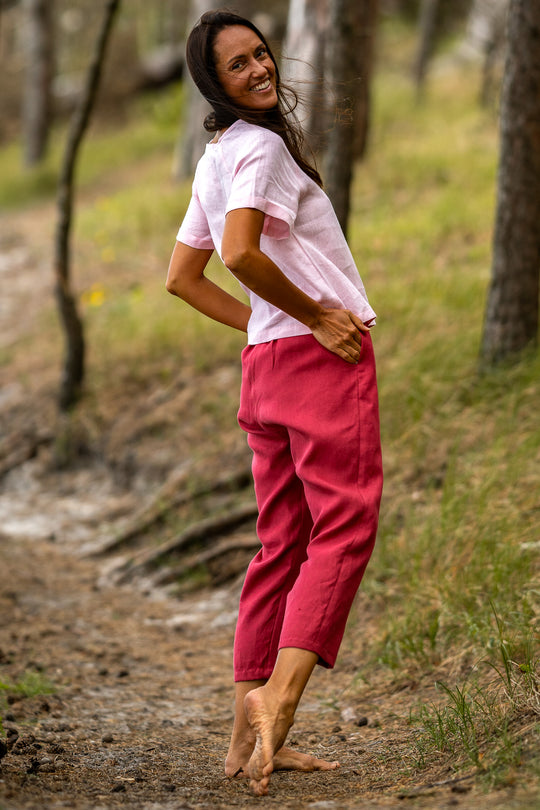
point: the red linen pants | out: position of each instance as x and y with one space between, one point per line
313 425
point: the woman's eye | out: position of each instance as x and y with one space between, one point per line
261 53
236 66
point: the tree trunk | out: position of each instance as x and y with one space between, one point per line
303 66
344 82
73 370
37 107
193 137
429 13
511 321
365 55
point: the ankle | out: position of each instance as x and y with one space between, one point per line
283 699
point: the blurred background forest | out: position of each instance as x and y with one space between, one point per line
433 164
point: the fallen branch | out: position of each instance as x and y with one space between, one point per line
170 496
202 530
203 558
22 453
429 786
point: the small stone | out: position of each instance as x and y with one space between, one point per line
118 787
348 715
123 673
361 721
336 729
107 738
9 717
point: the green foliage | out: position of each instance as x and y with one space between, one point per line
475 726
30 684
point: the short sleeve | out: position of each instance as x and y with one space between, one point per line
266 177
194 230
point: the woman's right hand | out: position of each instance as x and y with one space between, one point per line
340 331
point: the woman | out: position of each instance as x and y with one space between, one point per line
309 394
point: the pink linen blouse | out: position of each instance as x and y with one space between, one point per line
250 167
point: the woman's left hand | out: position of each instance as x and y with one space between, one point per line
340 331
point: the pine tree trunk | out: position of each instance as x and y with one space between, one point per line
429 13
365 58
511 320
73 369
344 81
37 107
192 138
304 67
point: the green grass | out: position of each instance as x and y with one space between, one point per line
458 551
30 684
151 128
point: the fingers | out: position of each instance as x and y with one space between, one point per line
340 331
358 323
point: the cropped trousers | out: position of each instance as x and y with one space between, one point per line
312 421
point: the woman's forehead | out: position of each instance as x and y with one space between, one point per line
234 40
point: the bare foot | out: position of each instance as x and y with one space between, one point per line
271 724
238 756
286 759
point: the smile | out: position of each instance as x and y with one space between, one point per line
259 88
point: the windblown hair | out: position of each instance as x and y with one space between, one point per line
200 59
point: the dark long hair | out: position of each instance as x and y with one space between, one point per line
200 59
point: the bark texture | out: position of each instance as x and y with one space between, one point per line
511 320
304 65
348 75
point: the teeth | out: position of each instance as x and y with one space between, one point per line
262 86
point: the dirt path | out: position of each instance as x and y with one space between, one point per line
142 704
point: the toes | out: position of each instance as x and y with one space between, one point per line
259 787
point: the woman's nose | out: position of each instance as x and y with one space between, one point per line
258 69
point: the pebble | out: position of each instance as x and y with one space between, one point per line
348 715
107 738
118 787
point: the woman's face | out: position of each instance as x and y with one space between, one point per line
244 68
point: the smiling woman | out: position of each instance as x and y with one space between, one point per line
245 68
309 393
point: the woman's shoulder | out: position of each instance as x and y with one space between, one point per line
243 136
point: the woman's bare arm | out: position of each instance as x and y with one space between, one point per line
186 279
336 329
